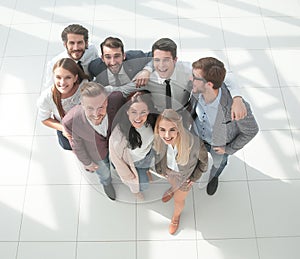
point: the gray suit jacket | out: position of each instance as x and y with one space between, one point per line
232 134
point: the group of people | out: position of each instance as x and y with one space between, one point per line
141 112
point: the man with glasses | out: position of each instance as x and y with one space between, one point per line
170 83
213 123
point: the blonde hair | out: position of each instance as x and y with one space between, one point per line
184 139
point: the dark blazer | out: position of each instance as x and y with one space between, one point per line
232 134
134 62
88 145
196 165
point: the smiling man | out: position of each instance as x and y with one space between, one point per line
90 126
75 40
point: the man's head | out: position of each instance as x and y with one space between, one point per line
94 102
112 50
208 72
75 38
164 52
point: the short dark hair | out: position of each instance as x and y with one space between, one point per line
213 70
113 43
75 29
165 44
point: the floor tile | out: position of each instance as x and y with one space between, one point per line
119 10
246 33
50 213
283 32
15 153
125 31
16 75
274 208
66 12
166 249
244 8
228 248
195 9
268 107
34 38
8 250
296 139
147 33
226 214
63 170
24 105
7 11
4 32
277 248
33 11
289 8
11 206
153 218
46 250
290 96
165 9
104 220
209 34
286 62
264 161
253 68
108 250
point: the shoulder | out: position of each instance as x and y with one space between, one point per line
45 97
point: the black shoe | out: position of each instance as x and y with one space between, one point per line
110 191
212 186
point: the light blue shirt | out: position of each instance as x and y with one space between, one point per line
206 116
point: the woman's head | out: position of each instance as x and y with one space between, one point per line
66 74
169 130
138 108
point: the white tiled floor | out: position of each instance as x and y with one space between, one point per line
50 209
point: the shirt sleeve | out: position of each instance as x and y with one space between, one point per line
232 84
44 106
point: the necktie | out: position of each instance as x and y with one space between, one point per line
117 80
79 64
168 94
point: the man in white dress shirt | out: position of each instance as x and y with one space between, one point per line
75 39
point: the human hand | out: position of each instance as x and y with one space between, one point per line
91 167
238 109
142 78
219 150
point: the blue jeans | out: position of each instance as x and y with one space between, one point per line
219 162
142 167
103 171
63 141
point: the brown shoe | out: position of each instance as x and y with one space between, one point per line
167 195
174 226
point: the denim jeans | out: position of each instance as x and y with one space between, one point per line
63 141
103 171
142 167
219 162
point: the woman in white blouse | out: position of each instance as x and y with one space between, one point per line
180 156
57 100
130 144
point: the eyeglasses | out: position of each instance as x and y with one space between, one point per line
199 79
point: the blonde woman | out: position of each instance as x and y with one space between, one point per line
181 157
57 100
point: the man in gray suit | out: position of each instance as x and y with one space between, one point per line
211 110
116 67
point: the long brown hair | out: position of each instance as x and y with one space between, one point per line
70 65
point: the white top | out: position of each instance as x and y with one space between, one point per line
171 158
90 54
102 127
146 133
47 108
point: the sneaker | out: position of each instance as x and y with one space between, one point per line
212 186
110 191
